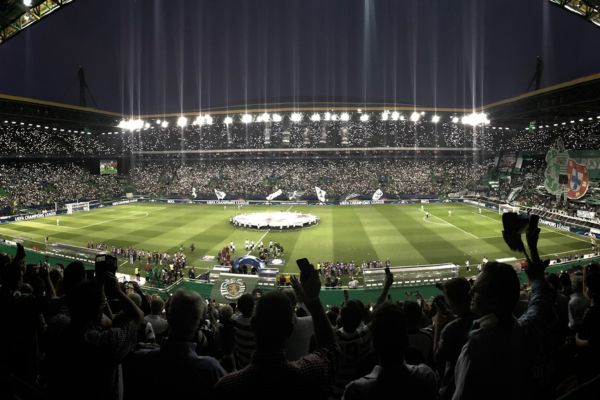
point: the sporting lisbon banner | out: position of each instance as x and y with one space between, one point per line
220 195
320 194
377 195
230 287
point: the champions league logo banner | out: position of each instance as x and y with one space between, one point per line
377 195
295 195
320 194
351 196
220 195
274 195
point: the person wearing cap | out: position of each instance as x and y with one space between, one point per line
449 339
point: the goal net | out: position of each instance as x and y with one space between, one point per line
503 208
76 207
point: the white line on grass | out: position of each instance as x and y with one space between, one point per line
451 224
266 233
572 237
107 220
552 230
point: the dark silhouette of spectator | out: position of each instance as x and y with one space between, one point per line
86 361
420 340
298 344
498 359
156 319
270 375
243 334
392 374
354 340
224 340
22 322
588 336
578 304
176 370
450 339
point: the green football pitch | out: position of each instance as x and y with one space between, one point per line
400 233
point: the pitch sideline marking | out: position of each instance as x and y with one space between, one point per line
552 230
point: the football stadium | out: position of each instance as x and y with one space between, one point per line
347 199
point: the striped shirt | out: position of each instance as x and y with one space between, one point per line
243 339
355 348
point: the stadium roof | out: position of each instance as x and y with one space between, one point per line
588 9
17 15
573 99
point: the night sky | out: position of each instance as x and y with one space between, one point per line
151 56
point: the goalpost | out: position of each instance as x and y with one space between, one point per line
77 207
502 208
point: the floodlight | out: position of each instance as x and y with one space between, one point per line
414 117
158 122
208 120
146 126
276 118
246 118
265 117
435 119
385 115
455 120
296 117
315 117
345 116
334 117
364 117
182 121
164 124
328 116
475 119
227 120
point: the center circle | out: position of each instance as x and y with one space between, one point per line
274 220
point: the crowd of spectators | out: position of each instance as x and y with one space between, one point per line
48 183
67 336
45 183
338 177
31 139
